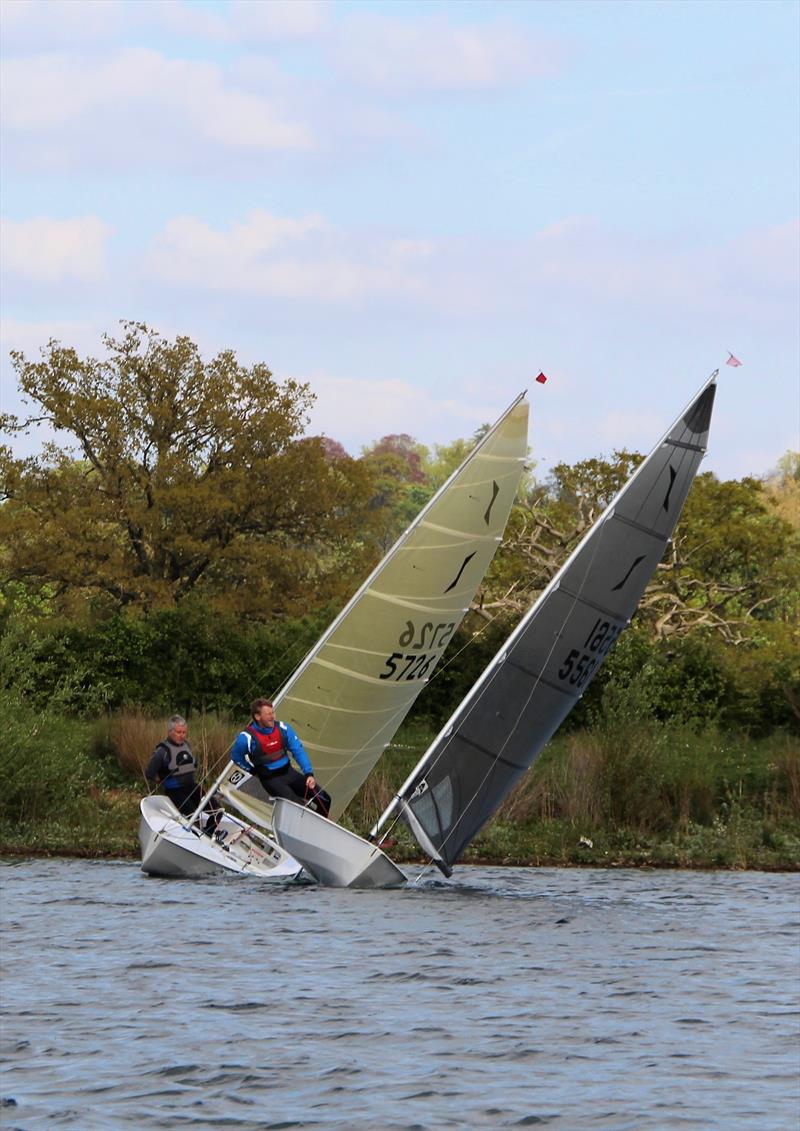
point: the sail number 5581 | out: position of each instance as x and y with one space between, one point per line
579 665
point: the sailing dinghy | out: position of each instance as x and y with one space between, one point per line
530 686
349 696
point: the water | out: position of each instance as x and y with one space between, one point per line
509 998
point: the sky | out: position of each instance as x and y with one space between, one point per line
416 207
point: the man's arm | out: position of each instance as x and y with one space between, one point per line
240 752
155 771
295 748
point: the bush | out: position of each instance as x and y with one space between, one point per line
44 761
187 660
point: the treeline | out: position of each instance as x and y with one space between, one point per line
190 546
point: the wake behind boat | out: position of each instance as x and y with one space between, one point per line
351 693
533 683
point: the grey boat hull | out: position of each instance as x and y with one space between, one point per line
329 853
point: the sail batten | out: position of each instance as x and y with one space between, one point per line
555 651
434 604
464 535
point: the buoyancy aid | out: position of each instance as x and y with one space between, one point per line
268 747
180 763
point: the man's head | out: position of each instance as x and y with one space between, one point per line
177 729
263 712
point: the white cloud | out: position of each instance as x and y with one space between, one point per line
238 21
38 24
137 94
433 53
357 411
279 19
30 337
562 267
34 24
303 258
46 250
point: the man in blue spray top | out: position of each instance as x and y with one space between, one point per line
263 749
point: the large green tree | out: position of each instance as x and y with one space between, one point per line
733 563
184 477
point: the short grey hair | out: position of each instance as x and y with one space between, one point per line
175 721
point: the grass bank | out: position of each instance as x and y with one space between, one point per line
634 793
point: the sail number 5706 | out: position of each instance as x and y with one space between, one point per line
400 666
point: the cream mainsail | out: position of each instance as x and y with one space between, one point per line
351 693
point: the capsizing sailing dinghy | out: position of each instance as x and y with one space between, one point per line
349 696
530 686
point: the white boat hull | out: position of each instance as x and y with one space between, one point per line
329 853
170 847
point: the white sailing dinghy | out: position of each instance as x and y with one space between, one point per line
533 683
351 693
172 845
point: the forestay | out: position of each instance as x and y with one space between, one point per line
555 651
350 695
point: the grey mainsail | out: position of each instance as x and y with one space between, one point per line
551 657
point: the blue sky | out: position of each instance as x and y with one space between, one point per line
416 207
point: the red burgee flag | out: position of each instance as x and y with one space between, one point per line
541 378
732 360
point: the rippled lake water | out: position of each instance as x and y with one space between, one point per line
505 998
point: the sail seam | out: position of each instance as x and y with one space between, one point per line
598 608
388 710
638 526
685 444
495 758
542 679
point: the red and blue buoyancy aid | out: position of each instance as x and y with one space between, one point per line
271 747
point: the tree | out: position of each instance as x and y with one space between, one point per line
733 561
546 525
191 477
400 489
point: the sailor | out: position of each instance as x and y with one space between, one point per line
174 766
264 747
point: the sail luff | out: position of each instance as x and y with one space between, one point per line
417 789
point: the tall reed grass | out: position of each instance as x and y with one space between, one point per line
657 779
133 736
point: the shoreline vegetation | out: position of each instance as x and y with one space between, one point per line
635 794
188 543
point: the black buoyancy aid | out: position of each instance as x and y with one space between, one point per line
180 762
270 747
